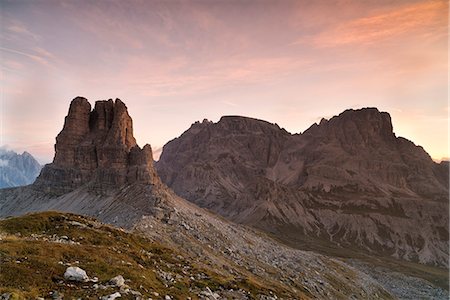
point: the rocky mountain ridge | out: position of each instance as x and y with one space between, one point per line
99 171
17 169
100 176
348 181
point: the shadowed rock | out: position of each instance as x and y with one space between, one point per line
97 147
348 180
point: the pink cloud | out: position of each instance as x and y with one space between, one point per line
18 28
419 18
178 76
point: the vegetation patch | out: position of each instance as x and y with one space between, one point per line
36 249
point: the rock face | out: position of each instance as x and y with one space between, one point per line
359 147
98 170
17 169
348 181
210 163
97 147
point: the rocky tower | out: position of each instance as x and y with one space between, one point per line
97 147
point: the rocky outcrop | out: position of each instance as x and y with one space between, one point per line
97 147
211 163
358 147
348 181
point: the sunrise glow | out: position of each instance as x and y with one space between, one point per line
176 62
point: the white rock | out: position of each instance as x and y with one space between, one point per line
75 274
117 281
208 293
112 296
75 223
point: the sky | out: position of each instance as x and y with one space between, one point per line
176 62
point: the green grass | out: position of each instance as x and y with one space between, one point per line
32 267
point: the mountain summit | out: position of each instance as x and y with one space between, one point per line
347 181
97 147
359 147
17 169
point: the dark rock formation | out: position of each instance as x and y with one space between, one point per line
244 167
359 147
348 180
98 148
17 169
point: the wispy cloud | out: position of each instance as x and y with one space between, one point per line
179 77
18 28
185 60
229 103
423 18
35 57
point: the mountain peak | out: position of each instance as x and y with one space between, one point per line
360 126
17 169
98 146
241 119
367 114
241 124
347 180
370 116
112 120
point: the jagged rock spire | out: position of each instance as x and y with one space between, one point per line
98 147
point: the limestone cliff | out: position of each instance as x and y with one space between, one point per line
348 181
97 147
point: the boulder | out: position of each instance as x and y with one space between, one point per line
112 296
117 281
76 274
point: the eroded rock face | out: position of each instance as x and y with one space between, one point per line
97 147
359 148
348 180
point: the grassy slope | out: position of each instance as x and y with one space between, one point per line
33 265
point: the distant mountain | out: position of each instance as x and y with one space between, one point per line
347 182
17 169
